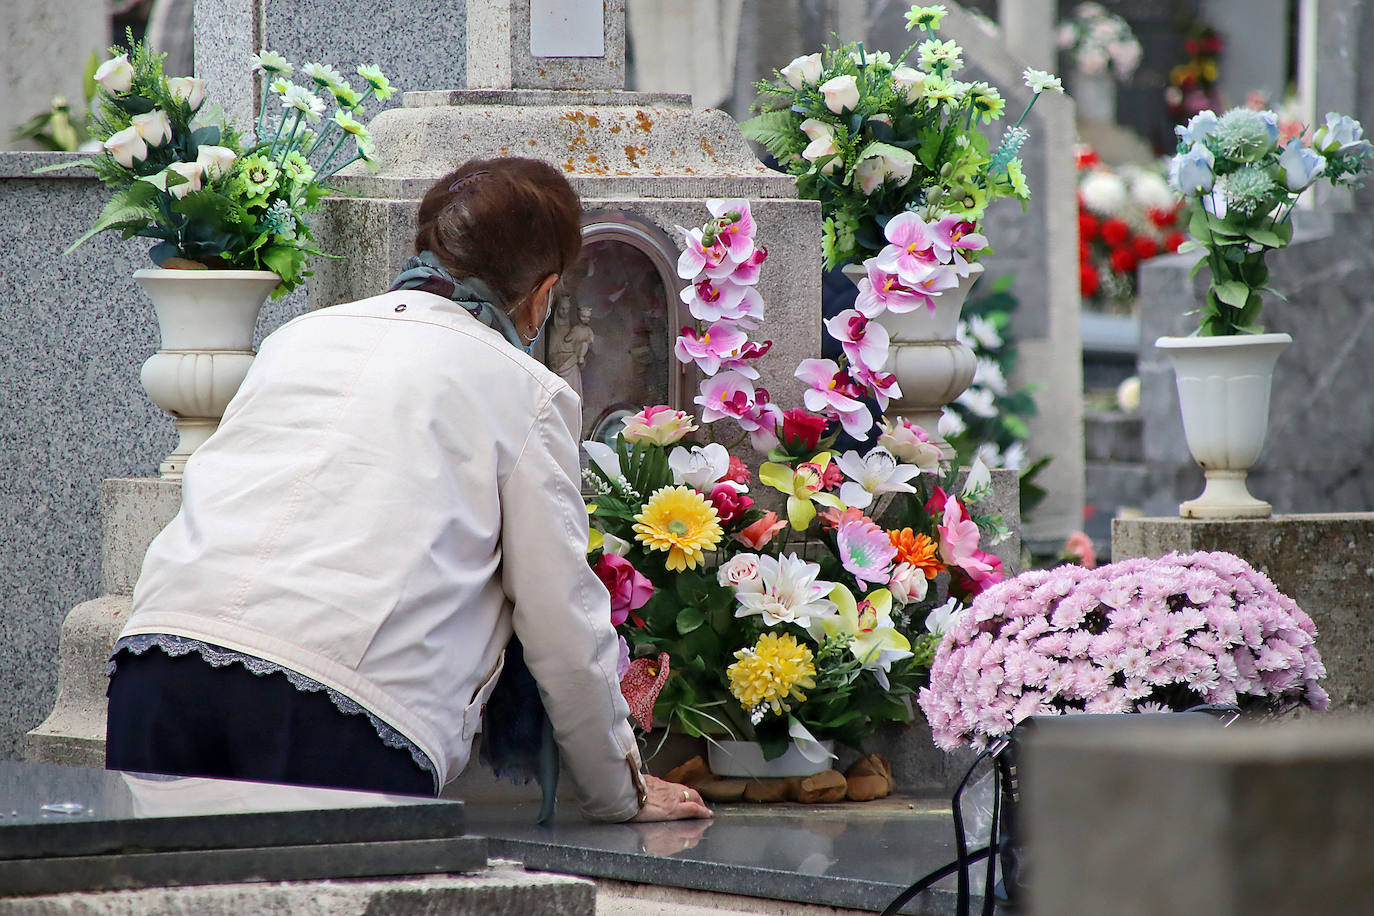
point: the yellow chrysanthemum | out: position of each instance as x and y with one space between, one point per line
772 672
680 521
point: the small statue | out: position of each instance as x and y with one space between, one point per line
569 343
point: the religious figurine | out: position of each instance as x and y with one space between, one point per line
570 342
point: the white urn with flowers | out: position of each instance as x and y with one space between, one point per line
228 211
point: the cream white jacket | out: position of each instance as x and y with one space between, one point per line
394 488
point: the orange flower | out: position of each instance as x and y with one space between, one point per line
918 550
834 518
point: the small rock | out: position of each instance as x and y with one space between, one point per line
772 790
867 788
691 773
822 788
722 790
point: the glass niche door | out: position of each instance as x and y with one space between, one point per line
614 322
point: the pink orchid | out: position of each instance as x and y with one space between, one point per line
698 258
864 343
740 359
736 234
629 589
760 421
730 503
885 292
722 300
727 394
910 247
865 550
882 385
747 273
953 233
832 391
721 340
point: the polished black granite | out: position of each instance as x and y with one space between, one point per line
68 828
856 855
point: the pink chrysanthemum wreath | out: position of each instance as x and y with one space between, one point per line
1143 635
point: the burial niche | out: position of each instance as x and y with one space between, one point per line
614 321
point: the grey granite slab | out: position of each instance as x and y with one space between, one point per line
52 812
25 877
856 855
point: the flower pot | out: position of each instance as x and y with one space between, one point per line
932 366
745 759
205 323
1094 94
1223 391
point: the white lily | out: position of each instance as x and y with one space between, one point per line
701 467
875 473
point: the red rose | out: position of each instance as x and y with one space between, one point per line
729 502
1088 226
1115 232
801 431
629 589
1088 283
1145 247
1161 218
1085 253
1085 157
1123 260
1174 240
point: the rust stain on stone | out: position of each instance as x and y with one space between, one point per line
615 128
707 148
643 121
633 153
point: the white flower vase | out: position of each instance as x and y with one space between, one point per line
205 321
744 759
932 366
1094 94
1223 391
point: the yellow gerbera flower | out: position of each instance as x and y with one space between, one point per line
680 521
772 672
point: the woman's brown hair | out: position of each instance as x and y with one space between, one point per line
508 222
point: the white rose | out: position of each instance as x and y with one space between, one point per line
127 146
875 168
116 75
192 172
840 92
214 161
815 130
189 89
742 574
911 81
822 144
908 584
869 175
803 70
153 127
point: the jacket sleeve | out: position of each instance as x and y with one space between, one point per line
563 616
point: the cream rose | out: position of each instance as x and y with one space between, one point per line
742 574
214 161
908 584
911 81
805 70
910 444
192 172
189 89
127 147
153 127
116 75
841 92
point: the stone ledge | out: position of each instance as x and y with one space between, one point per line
434 98
503 888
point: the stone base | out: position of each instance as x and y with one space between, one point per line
621 898
1323 562
505 889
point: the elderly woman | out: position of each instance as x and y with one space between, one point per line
391 494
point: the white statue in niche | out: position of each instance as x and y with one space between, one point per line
569 342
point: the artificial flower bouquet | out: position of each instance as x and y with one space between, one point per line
803 626
1126 215
1143 635
871 137
1241 186
203 190
1096 40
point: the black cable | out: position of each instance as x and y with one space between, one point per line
944 871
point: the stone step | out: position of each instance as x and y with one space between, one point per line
1112 436
502 889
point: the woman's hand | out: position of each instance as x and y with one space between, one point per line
668 801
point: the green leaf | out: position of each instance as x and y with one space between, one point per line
689 619
776 130
1266 237
128 206
1190 245
1233 293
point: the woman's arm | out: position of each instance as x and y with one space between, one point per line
563 619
